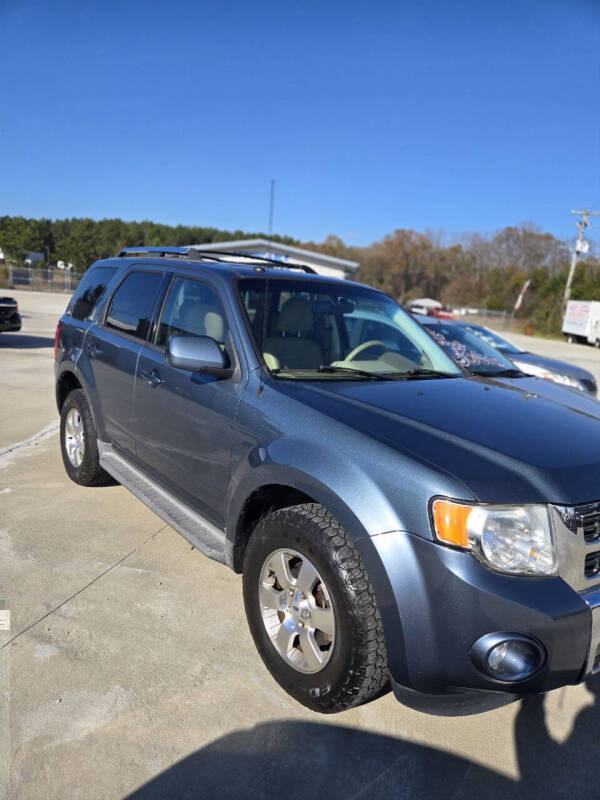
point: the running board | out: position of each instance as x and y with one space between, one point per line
199 532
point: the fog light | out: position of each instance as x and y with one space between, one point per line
507 656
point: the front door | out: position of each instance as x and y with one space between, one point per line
185 420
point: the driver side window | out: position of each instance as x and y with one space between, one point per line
192 308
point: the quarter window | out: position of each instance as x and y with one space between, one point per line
132 304
90 291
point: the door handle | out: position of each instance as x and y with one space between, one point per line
152 377
93 349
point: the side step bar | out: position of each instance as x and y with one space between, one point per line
199 532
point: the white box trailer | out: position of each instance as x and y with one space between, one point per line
582 321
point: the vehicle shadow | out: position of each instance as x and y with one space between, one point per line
25 341
319 760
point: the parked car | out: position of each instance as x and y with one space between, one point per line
10 319
394 519
478 357
541 366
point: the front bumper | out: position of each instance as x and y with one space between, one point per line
436 602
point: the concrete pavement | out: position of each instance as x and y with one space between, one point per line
129 667
26 375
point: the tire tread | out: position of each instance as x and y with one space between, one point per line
369 676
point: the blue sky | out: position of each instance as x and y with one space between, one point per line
453 115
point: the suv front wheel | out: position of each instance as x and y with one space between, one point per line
312 610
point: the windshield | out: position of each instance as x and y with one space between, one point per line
496 341
308 329
471 352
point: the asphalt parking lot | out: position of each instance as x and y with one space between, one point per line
128 668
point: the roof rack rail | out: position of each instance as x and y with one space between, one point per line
191 251
161 251
222 256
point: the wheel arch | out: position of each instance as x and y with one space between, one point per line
66 383
272 496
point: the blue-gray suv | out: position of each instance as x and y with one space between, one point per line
396 520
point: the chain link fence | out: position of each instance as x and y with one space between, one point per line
500 320
40 279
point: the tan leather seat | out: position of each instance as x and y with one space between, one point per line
203 320
292 349
214 326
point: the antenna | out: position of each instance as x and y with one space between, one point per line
271 205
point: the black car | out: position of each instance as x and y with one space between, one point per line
10 319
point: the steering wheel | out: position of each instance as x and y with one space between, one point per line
365 346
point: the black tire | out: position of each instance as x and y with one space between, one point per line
357 668
89 472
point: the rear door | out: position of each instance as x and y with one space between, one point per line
112 349
185 420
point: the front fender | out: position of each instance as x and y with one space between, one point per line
346 507
369 486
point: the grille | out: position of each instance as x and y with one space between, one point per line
592 564
591 526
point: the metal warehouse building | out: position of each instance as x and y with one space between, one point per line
324 265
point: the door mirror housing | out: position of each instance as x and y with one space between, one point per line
198 354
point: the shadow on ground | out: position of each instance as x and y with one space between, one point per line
313 760
24 341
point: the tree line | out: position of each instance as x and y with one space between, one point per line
484 271
82 241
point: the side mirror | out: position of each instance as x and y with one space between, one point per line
198 354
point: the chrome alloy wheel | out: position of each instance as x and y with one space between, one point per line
296 610
74 437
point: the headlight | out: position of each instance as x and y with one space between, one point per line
513 539
565 380
542 372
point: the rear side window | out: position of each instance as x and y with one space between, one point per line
131 306
90 291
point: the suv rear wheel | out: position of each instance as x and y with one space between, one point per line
312 610
78 442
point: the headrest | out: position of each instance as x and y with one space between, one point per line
214 326
295 316
203 319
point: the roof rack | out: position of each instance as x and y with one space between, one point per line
212 255
275 262
159 251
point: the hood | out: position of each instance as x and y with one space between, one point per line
506 442
553 365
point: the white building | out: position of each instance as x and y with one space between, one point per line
324 265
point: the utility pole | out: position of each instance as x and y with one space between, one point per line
581 246
271 204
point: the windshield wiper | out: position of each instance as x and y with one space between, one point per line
501 373
378 376
422 372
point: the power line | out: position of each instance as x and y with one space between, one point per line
581 246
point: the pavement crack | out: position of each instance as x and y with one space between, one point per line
83 588
38 437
